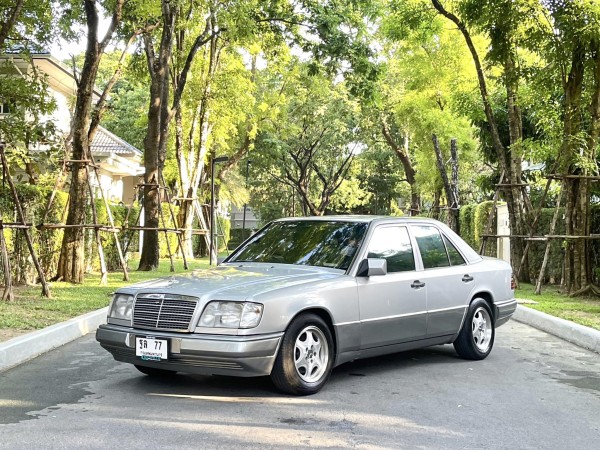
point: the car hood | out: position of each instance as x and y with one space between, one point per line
234 281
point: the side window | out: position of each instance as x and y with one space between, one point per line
5 107
431 245
456 258
393 245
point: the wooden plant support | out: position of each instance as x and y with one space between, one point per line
538 284
21 218
7 295
111 220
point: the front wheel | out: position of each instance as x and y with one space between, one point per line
476 338
305 358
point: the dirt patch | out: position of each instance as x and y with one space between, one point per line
9 333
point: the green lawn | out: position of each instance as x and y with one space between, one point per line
31 311
581 310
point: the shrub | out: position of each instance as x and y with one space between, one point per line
46 243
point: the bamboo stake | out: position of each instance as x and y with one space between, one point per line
185 265
7 295
538 284
162 218
100 249
111 222
490 219
21 215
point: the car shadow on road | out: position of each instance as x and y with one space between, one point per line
182 385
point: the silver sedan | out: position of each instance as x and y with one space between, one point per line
302 296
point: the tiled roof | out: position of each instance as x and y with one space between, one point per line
106 143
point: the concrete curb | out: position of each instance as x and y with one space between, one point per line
23 348
585 337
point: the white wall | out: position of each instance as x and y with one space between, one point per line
503 229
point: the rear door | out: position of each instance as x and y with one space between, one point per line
449 282
393 307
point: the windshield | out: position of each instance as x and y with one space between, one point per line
306 242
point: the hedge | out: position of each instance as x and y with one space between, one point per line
237 237
47 243
473 219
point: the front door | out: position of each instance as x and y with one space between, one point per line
393 307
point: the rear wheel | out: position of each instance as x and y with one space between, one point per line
305 357
476 338
154 372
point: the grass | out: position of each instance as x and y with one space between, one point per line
581 310
31 311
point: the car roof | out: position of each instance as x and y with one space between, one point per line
470 254
358 218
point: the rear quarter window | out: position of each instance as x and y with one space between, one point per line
431 245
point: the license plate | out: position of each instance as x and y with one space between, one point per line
150 349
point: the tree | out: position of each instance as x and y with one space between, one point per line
423 78
573 46
26 25
314 141
502 22
71 263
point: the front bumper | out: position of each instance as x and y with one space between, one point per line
242 356
504 311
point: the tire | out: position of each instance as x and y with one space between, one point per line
476 338
305 358
154 372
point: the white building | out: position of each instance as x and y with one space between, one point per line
119 162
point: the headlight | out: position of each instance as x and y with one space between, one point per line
121 307
231 315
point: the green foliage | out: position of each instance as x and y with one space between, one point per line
126 116
128 240
313 138
224 232
46 243
25 91
238 236
473 220
35 26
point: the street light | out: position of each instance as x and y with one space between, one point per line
245 204
212 206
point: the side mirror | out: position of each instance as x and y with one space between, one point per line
372 267
220 259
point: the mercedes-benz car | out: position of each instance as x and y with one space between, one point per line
304 295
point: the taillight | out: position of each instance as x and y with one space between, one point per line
513 282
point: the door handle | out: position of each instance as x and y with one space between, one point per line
467 278
417 284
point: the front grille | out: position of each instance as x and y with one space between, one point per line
164 311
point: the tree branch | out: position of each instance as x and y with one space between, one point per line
10 22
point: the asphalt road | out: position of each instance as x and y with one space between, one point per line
533 391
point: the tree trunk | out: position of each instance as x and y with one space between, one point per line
155 141
71 264
402 151
577 190
150 248
510 165
451 201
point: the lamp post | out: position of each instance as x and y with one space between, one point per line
245 204
212 257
